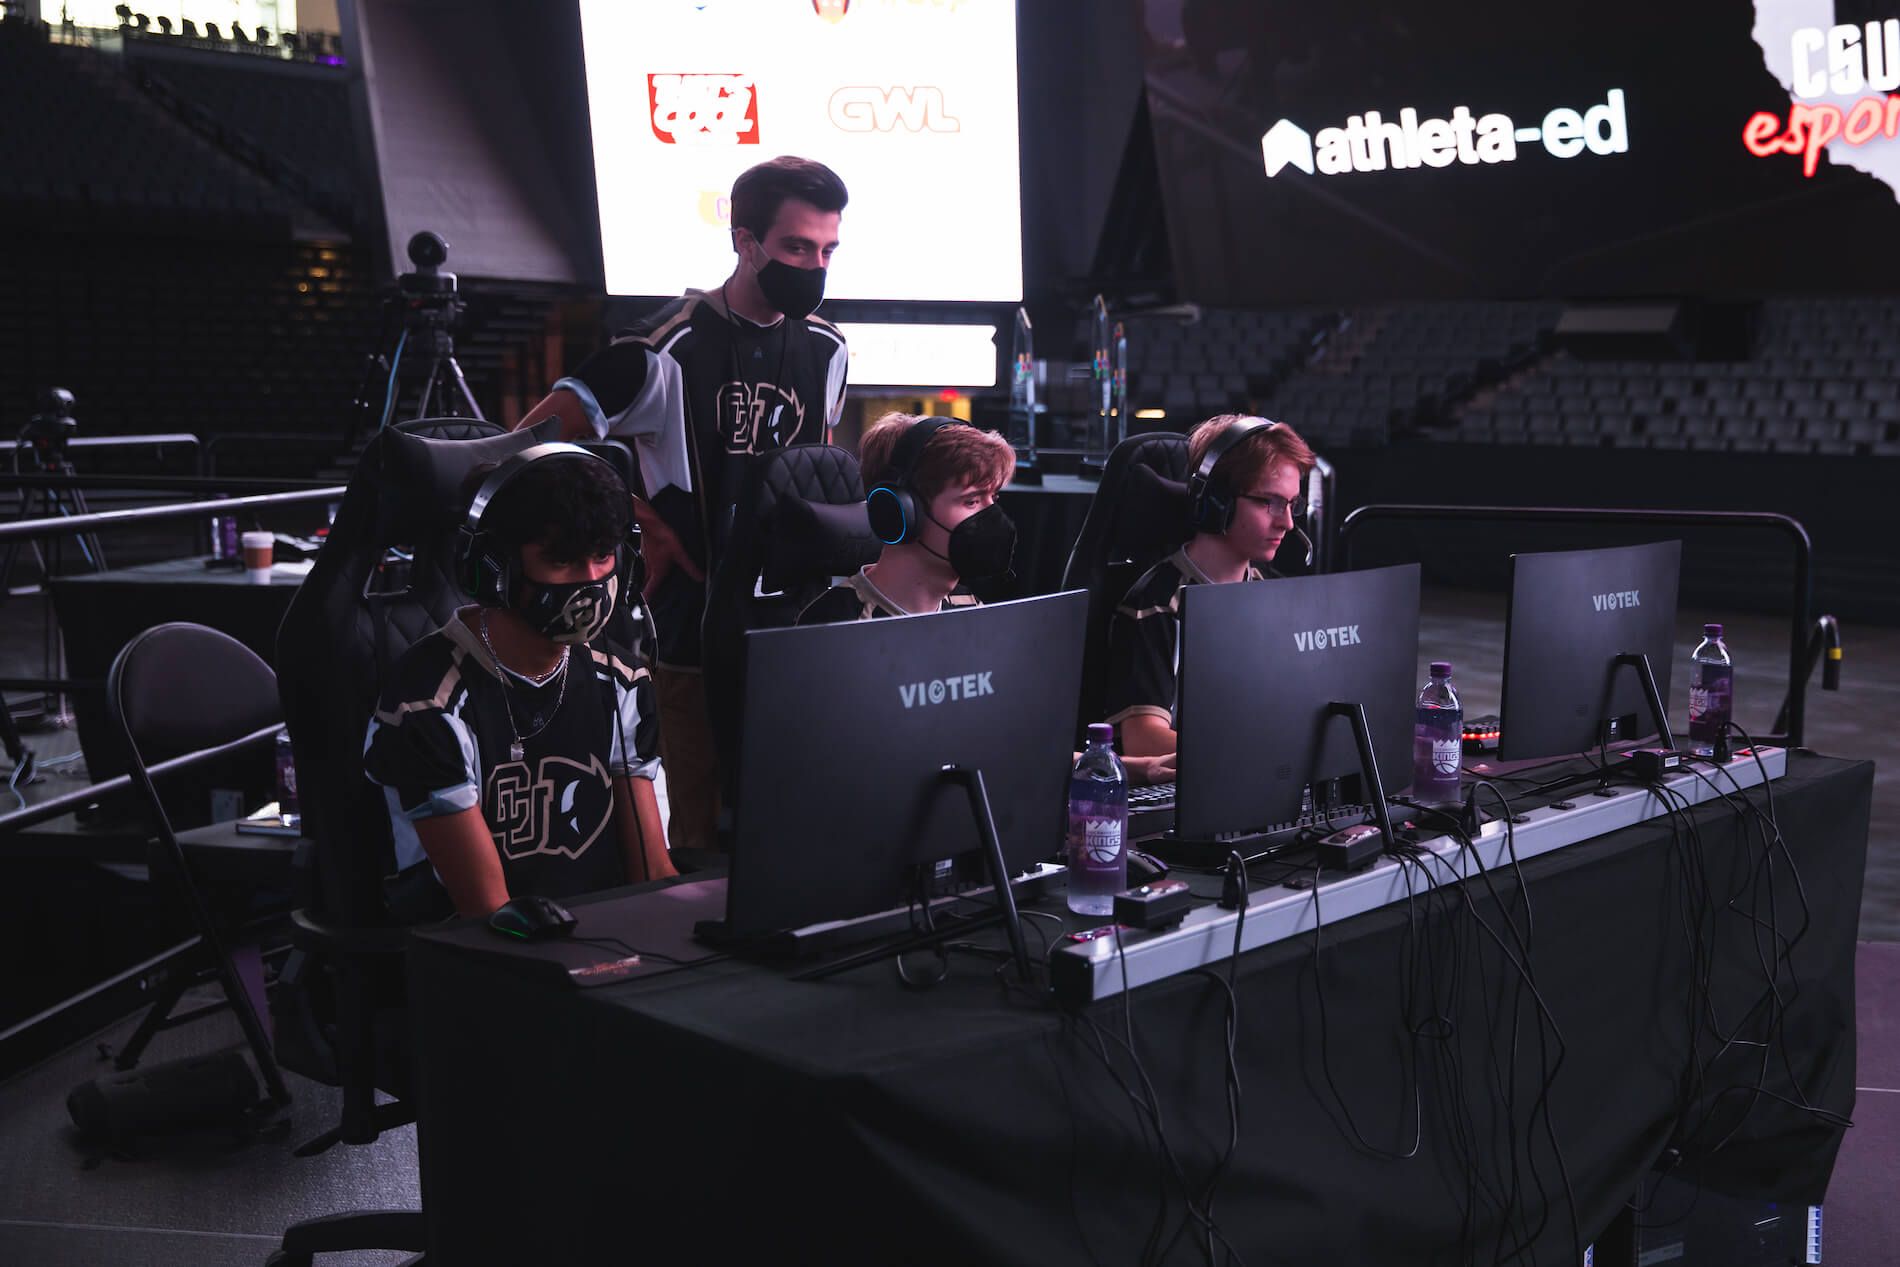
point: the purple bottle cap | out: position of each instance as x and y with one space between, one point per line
1101 732
1441 668
1712 630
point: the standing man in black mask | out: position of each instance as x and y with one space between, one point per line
697 388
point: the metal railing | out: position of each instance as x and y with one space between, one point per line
1793 715
67 525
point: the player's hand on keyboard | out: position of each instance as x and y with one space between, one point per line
1145 770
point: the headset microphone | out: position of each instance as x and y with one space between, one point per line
1305 541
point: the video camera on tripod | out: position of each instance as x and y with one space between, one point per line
429 290
429 304
47 432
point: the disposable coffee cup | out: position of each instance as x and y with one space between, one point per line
257 556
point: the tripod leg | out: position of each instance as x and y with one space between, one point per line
88 542
16 748
461 386
428 389
27 499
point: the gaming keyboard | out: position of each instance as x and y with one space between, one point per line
1150 810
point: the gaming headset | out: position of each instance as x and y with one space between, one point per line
1211 507
892 505
487 569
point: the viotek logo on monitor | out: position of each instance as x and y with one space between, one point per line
1326 639
1370 143
1618 600
945 690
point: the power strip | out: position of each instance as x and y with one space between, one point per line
1083 971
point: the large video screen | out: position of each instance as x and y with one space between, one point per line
1357 151
911 102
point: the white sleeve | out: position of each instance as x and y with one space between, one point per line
834 387
655 420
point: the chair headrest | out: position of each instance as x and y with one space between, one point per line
1153 512
426 488
817 539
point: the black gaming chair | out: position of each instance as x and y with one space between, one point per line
798 522
1139 516
360 608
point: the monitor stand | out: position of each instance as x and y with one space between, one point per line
971 781
1658 712
1260 846
1374 786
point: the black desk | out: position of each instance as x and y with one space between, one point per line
724 1113
99 612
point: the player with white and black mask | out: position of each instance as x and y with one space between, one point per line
517 743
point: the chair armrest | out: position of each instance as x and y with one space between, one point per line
309 932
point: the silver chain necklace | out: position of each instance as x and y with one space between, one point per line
517 750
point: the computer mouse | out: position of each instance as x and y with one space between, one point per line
1144 868
531 918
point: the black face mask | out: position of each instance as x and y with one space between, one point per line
796 292
574 612
983 546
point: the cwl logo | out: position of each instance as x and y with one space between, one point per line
945 690
1618 600
868 109
1326 639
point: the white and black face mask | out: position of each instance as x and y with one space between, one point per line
576 611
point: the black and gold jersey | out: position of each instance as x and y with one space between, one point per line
1144 641
440 742
859 598
697 390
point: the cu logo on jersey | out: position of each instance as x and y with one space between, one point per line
525 808
758 417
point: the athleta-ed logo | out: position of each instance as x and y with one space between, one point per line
704 109
1617 601
867 109
945 689
1326 639
1835 61
525 807
1370 143
759 417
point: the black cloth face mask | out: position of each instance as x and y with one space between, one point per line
982 547
573 612
796 292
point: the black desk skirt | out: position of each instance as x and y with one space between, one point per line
725 1113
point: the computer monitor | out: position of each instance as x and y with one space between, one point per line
1572 614
848 728
1261 666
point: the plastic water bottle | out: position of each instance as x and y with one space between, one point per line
1098 826
1438 739
287 782
1711 693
